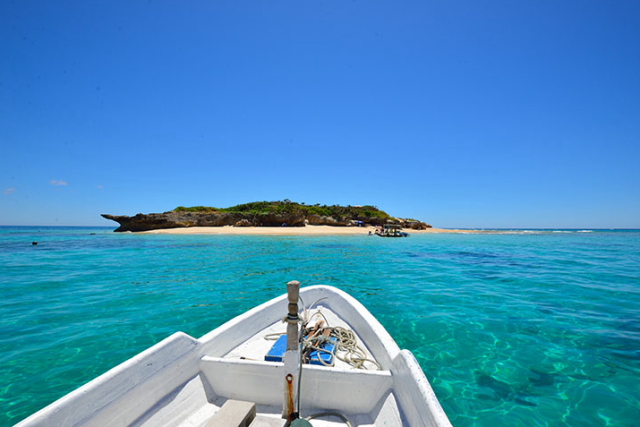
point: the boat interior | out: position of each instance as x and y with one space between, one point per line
183 381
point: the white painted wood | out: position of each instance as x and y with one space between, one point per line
259 382
234 413
418 401
289 380
123 394
388 414
353 391
182 381
186 406
262 421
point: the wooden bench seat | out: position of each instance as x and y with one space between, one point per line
234 413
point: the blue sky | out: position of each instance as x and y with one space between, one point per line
459 113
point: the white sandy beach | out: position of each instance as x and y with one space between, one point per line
291 231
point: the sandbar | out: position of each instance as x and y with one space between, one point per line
292 231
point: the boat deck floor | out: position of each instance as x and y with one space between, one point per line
203 416
200 398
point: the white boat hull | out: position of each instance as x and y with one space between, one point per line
183 381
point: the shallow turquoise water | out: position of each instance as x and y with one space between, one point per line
522 329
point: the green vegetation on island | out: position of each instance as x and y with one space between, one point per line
292 208
263 214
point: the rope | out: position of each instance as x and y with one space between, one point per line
347 348
354 354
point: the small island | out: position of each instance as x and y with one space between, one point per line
263 214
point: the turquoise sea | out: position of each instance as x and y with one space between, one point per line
522 328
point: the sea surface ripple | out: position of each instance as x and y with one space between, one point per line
519 328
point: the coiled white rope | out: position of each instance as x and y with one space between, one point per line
346 349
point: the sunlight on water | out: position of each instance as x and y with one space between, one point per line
518 329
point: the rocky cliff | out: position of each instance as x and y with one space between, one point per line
157 221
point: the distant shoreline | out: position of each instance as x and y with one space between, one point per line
309 230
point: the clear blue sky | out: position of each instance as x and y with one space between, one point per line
460 113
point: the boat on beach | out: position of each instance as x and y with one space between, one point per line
391 230
325 364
